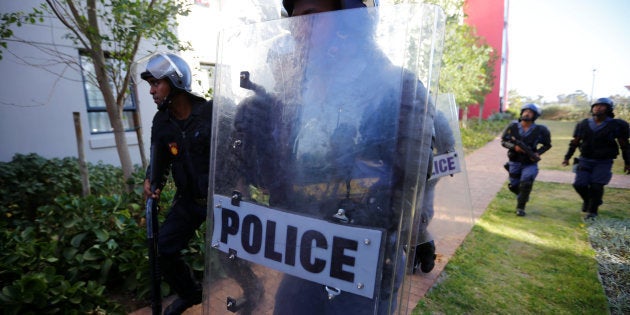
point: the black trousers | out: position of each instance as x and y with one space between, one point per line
182 220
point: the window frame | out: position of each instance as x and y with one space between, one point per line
95 104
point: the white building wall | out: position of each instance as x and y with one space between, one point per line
38 96
36 103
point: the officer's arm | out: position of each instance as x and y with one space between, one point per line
506 138
546 142
573 144
624 146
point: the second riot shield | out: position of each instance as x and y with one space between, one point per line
322 142
445 215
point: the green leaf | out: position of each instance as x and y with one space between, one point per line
102 235
70 223
69 252
77 239
94 253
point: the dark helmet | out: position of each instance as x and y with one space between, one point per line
610 106
606 101
170 66
534 108
343 4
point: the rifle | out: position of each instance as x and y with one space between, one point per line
151 213
528 151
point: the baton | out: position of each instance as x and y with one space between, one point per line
151 213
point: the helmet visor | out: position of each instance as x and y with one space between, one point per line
161 66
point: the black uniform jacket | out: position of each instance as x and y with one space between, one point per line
182 147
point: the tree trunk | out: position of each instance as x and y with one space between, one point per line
465 117
83 169
480 118
138 123
114 110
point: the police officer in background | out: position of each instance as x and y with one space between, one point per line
596 138
526 141
180 142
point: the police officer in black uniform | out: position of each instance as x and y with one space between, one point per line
525 141
180 143
599 138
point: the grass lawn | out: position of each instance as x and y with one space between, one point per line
539 264
543 263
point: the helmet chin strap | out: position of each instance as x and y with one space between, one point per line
164 105
168 100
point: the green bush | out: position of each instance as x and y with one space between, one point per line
622 111
63 253
564 113
476 133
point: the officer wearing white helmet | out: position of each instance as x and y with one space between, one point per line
526 141
599 138
180 143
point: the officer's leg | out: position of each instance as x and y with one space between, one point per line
528 175
600 176
596 193
582 183
584 194
522 198
514 176
241 271
177 230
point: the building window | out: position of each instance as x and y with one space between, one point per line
97 112
206 79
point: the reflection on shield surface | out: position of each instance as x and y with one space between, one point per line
322 150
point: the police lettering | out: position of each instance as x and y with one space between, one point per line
252 241
444 165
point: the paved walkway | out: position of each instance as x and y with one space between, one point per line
486 176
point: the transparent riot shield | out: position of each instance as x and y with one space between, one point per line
445 215
321 152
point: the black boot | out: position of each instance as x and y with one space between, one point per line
596 193
425 257
525 189
180 278
180 305
584 194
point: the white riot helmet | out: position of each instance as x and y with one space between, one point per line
169 66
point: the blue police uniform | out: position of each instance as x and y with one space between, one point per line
598 148
521 168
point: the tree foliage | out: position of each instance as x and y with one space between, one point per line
16 18
467 69
467 62
109 32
